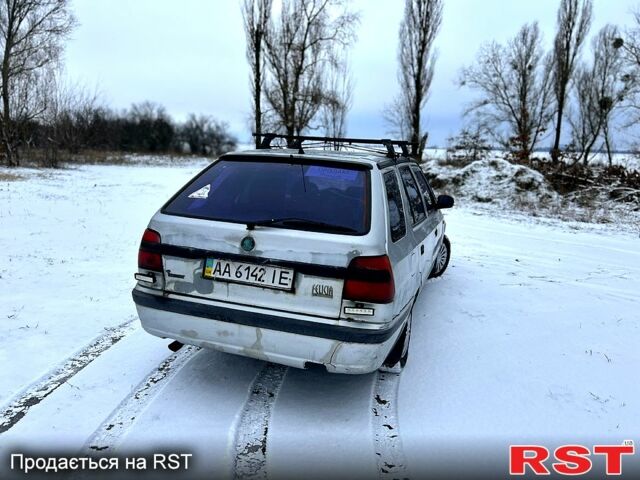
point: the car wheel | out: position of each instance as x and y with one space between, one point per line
399 354
442 259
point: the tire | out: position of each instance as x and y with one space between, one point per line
399 354
442 259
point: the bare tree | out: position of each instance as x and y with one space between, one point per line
395 118
574 21
338 100
31 38
600 90
256 14
300 47
148 111
29 100
206 136
632 40
416 57
79 107
585 120
152 125
514 83
70 107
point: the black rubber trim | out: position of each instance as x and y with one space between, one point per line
304 159
313 269
396 161
263 320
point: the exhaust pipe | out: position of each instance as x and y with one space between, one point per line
175 346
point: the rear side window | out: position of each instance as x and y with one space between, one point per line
394 204
415 198
323 197
427 193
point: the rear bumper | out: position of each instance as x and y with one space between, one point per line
274 336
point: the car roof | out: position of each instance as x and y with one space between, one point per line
379 160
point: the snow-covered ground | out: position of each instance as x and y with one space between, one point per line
499 187
531 336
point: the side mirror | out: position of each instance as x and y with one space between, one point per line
444 201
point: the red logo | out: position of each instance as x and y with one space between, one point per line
569 459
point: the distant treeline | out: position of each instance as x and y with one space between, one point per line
143 128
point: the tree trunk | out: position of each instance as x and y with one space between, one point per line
291 131
257 87
587 152
415 147
608 145
415 133
555 150
6 113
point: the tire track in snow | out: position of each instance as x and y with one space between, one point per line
250 459
47 384
392 462
108 435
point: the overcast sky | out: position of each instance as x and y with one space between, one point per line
190 55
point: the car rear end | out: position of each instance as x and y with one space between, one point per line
274 256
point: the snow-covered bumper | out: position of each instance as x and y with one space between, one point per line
290 339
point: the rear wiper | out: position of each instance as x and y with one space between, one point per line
299 222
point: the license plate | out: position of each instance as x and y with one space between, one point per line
249 274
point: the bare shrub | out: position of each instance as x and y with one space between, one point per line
467 146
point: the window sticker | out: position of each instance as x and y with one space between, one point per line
329 172
201 193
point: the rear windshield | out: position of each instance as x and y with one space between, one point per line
324 197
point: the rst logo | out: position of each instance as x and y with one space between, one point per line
569 459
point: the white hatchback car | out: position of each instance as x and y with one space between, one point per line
308 258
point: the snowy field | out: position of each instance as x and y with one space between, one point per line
532 335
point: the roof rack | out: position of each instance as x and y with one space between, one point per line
295 141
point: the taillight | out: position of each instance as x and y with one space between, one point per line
147 259
369 279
